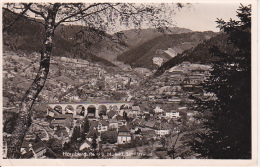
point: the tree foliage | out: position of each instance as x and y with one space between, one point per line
228 119
109 137
85 129
94 141
86 125
76 134
10 123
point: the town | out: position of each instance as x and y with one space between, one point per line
112 115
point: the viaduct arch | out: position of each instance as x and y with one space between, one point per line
90 109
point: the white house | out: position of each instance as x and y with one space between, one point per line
85 144
173 114
113 124
123 135
158 110
162 132
162 129
136 110
103 126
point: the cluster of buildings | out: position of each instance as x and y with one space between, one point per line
91 79
176 84
126 123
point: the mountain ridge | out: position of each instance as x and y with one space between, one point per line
141 56
27 36
202 53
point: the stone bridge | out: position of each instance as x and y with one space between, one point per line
90 109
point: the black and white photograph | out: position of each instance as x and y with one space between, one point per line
127 80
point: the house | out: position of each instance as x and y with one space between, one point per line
104 117
173 126
150 124
112 114
162 129
158 110
103 126
173 114
85 145
63 120
25 147
122 123
120 120
136 110
124 135
148 134
39 150
113 123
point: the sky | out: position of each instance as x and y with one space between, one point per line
202 17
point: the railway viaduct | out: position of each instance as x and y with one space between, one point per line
90 109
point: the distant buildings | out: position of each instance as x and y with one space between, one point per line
173 114
158 110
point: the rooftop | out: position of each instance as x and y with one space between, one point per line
123 129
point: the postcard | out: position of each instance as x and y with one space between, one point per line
129 83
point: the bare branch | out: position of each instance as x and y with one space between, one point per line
36 12
80 12
23 16
17 18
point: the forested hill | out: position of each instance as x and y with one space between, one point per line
202 53
137 37
75 41
27 36
142 55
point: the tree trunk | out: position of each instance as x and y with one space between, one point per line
23 121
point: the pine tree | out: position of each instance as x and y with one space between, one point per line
86 125
228 119
94 145
76 134
94 141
